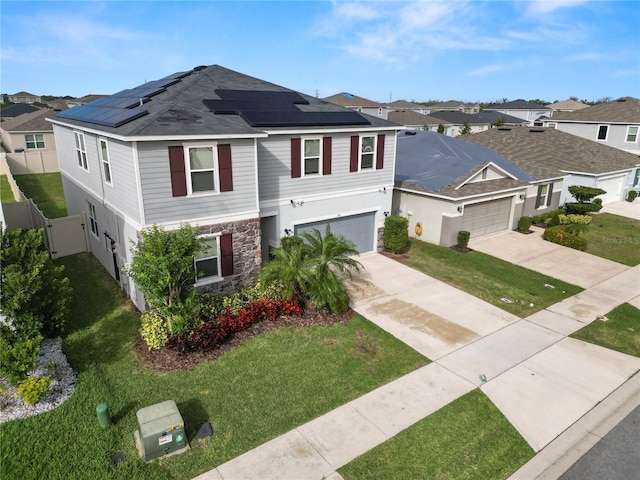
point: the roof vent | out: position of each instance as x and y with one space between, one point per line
536 130
199 67
504 129
410 132
623 99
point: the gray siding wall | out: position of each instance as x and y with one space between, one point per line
123 193
159 204
274 168
616 137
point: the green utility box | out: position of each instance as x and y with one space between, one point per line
160 430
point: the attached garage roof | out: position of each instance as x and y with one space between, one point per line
433 162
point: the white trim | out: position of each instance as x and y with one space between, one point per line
102 162
26 146
215 169
212 278
79 134
255 173
334 216
280 202
326 132
490 164
91 208
302 157
626 136
233 217
591 174
504 193
136 169
373 154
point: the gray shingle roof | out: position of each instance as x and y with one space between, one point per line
548 153
345 99
482 118
436 163
518 105
30 122
623 110
413 118
179 111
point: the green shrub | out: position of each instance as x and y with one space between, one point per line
561 236
631 196
584 194
582 208
463 238
395 238
597 201
545 218
18 352
555 219
573 219
289 242
34 389
207 306
154 330
524 224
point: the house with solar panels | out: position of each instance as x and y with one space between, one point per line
246 161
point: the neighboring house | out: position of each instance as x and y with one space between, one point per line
454 105
567 106
82 100
478 122
404 106
528 111
416 121
444 185
246 161
359 104
32 147
558 160
15 110
24 97
616 123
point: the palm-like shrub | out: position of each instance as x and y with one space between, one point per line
314 269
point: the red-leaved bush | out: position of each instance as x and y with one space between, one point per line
208 334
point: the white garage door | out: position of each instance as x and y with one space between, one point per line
486 217
613 187
357 228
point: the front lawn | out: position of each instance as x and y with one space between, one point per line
270 385
615 238
488 278
621 332
468 438
45 189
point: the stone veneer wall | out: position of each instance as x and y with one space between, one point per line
247 256
380 245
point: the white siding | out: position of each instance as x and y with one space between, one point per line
616 136
274 167
427 211
161 207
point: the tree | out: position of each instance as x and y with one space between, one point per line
440 128
499 122
466 129
584 194
312 268
162 266
34 299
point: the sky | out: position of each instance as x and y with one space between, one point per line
479 51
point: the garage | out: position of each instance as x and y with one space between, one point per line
613 187
357 228
487 217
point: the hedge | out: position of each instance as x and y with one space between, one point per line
395 237
582 208
559 235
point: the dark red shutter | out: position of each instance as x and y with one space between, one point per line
549 193
296 152
380 152
226 254
353 158
538 196
326 156
178 174
224 165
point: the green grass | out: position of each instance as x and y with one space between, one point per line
272 384
488 278
45 189
6 195
615 238
621 332
468 438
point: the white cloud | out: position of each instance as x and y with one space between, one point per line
541 7
487 70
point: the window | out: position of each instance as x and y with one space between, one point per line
543 200
202 170
92 219
207 262
636 180
380 112
81 150
106 164
552 125
34 141
632 134
367 152
311 157
603 131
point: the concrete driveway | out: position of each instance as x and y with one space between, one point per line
624 209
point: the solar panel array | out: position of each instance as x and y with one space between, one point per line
262 108
122 107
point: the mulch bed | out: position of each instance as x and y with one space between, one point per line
169 361
460 249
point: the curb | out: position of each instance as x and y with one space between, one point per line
563 452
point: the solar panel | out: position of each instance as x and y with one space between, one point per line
109 117
261 108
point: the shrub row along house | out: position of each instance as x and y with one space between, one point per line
246 161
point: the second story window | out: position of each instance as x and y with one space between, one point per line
106 164
311 157
92 218
81 150
367 152
34 141
202 170
632 134
603 131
